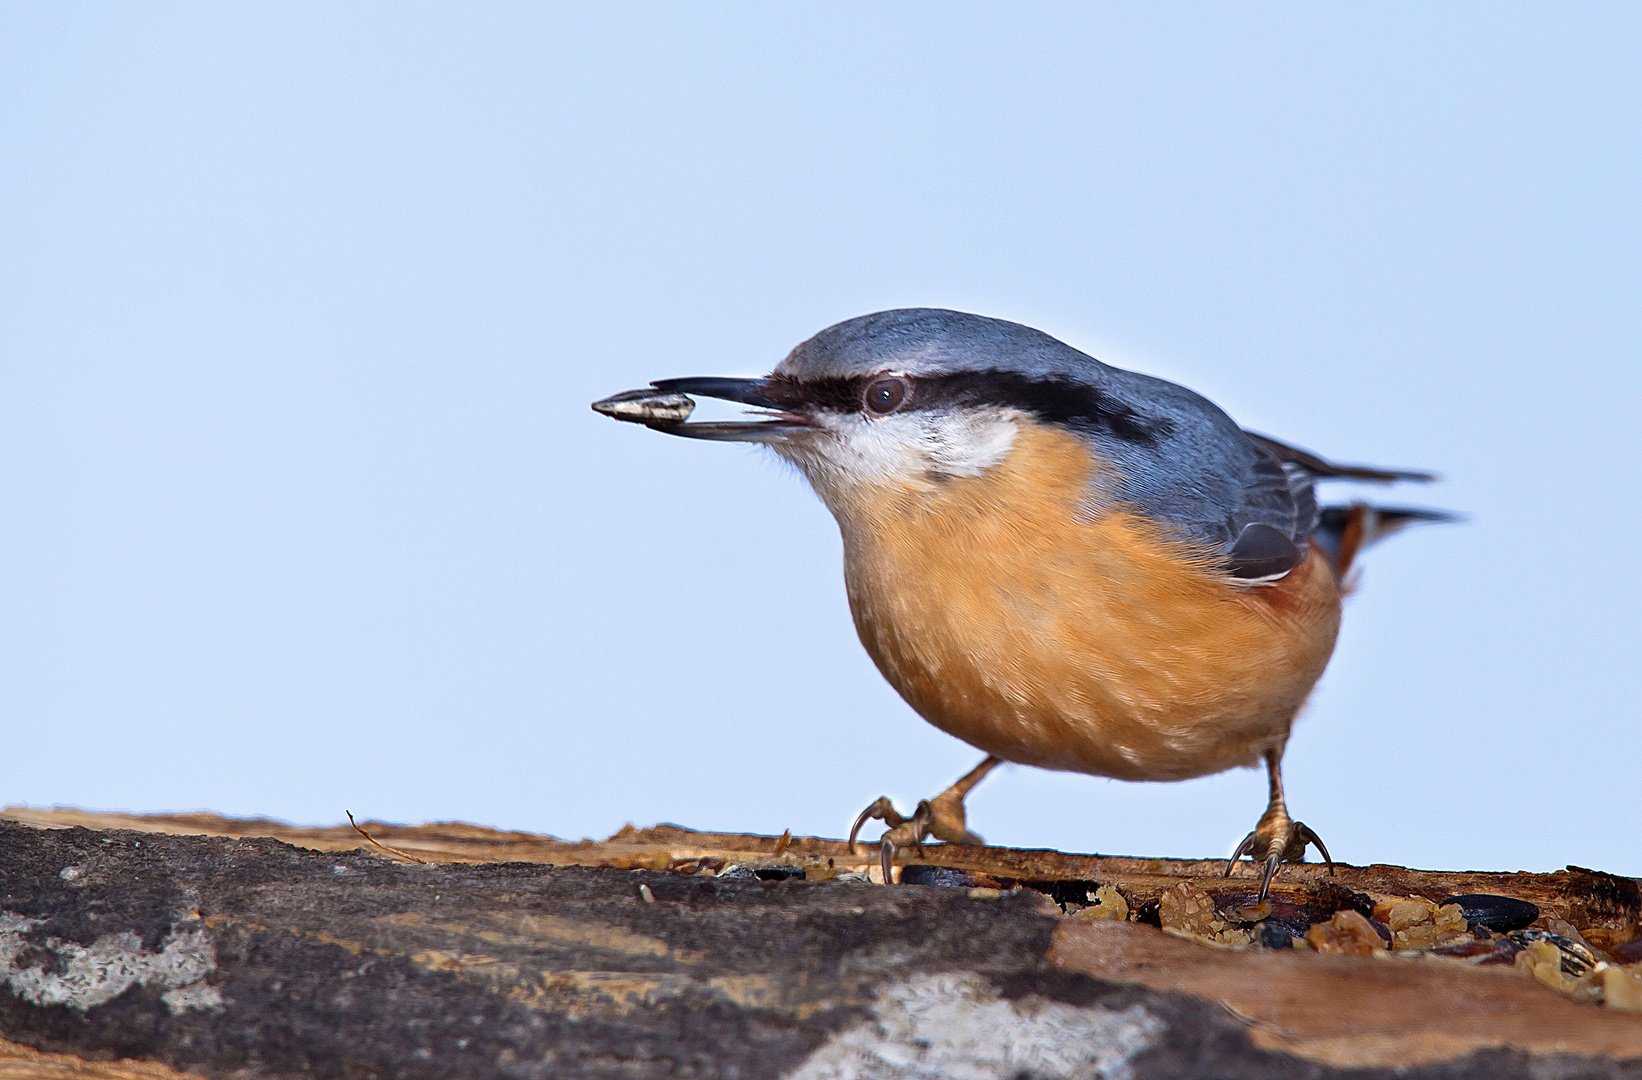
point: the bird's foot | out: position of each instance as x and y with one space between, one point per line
941 817
903 832
1275 840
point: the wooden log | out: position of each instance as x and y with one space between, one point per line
129 953
1585 898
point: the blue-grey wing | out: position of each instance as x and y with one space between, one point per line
1248 498
1188 466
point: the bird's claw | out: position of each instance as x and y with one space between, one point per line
910 833
942 817
1277 840
903 832
881 810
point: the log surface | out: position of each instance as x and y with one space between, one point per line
155 953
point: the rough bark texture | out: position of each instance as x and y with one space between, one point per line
133 954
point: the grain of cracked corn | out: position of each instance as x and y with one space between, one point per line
1348 933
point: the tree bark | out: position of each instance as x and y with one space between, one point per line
130 953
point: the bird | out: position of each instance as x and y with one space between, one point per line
1062 563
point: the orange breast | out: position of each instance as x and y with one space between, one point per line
1009 616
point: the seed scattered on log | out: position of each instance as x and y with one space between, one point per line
1576 958
1275 935
1348 932
1109 904
1497 951
949 877
779 873
1622 989
1501 914
1250 913
1416 923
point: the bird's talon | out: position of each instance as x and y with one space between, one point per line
1242 849
941 817
1272 862
1275 841
881 810
1308 837
910 833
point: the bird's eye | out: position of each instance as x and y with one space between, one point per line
885 395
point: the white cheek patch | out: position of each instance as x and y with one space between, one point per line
914 449
970 442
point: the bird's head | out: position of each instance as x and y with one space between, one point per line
912 398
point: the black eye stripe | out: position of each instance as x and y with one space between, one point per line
1059 401
837 395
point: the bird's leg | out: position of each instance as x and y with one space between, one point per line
941 817
1277 838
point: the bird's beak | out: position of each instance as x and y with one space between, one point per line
667 407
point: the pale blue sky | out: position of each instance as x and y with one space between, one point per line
302 305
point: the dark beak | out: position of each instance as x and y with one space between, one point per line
667 407
745 391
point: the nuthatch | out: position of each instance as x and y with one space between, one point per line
1059 562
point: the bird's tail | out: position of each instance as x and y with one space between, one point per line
1344 531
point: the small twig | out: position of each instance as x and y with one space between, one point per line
781 844
377 843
